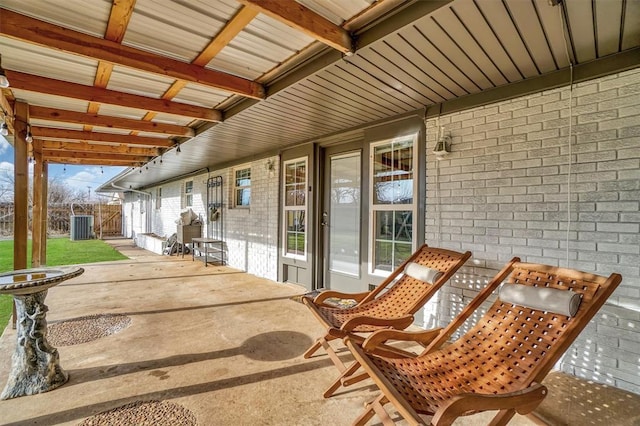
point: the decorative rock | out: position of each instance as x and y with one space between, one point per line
144 413
86 329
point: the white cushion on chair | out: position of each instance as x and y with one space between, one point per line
422 273
546 299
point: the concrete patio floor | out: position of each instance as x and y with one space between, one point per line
227 346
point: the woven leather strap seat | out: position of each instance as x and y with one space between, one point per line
496 365
390 305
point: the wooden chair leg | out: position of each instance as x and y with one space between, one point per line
383 415
334 356
316 345
537 419
323 342
369 411
348 381
338 382
502 418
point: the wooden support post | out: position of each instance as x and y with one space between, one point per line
21 186
36 228
45 216
21 189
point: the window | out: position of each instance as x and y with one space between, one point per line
158 198
242 187
393 205
188 193
295 208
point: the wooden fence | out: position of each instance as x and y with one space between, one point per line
106 218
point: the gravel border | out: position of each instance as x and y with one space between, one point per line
144 413
86 329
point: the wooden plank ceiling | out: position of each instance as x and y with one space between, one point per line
124 82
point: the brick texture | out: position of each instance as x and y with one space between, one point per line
529 167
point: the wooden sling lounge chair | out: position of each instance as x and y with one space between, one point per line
390 305
498 364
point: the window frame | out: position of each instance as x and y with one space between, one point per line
188 194
286 209
374 208
158 203
236 187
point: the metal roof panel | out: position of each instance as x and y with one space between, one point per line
120 111
52 101
262 45
177 29
54 124
129 80
33 59
337 11
196 94
172 119
89 17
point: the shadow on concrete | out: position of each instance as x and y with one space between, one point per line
150 279
180 309
587 403
267 347
183 391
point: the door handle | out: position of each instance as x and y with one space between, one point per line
324 219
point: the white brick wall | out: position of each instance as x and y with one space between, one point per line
250 233
502 192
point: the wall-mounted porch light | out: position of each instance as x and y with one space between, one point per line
443 145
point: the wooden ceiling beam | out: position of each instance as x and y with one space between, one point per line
32 30
64 116
34 83
122 149
231 29
94 162
223 38
53 133
119 18
61 155
307 21
121 11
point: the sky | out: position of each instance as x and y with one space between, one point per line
77 177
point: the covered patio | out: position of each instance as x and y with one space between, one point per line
226 348
347 134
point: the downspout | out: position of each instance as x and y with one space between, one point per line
147 194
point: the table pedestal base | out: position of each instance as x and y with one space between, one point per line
35 363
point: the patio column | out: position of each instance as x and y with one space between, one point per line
21 186
44 218
21 190
39 198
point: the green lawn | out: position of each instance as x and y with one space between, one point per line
60 251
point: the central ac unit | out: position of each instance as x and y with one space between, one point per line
81 227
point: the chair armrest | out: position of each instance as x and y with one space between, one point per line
380 337
523 401
320 298
399 323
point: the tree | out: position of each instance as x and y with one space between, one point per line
59 192
6 182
